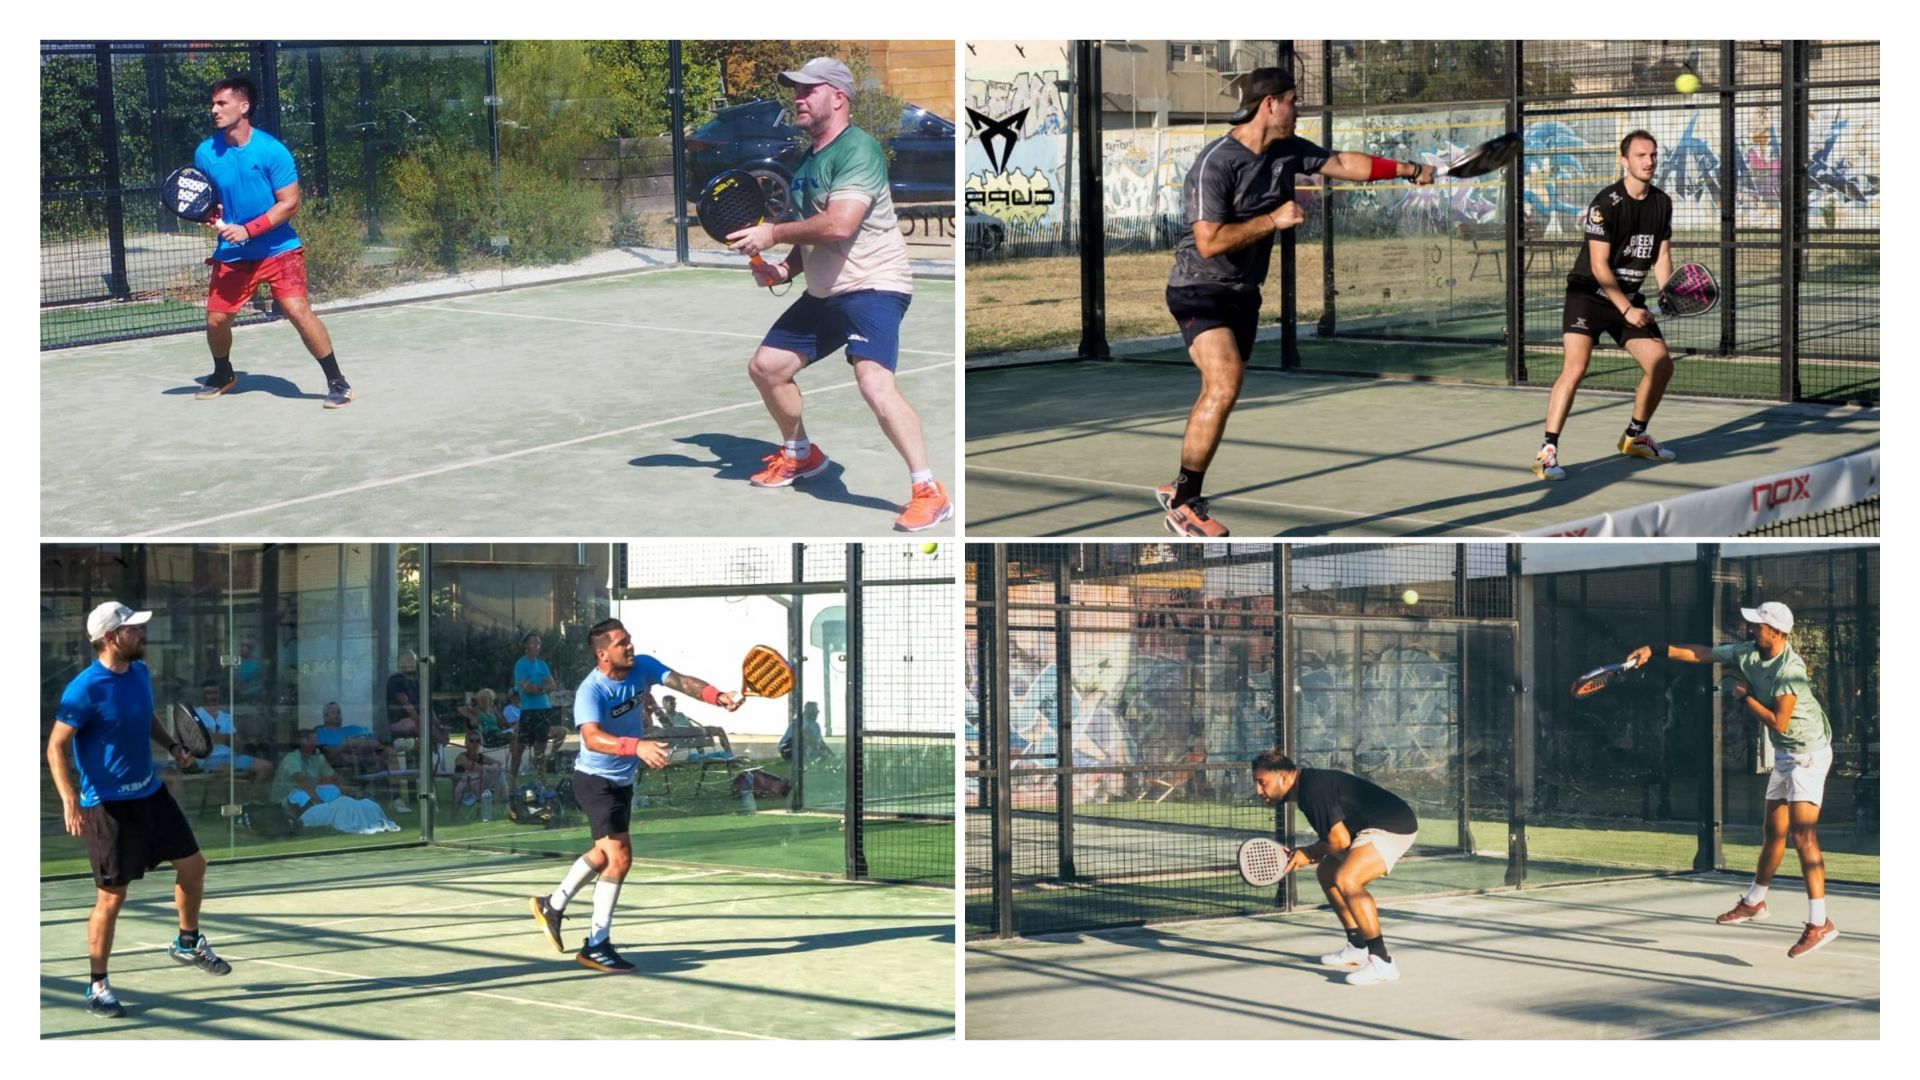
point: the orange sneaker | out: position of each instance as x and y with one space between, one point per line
1743 912
1811 938
782 470
928 507
1192 518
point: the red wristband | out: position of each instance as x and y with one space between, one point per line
258 225
711 695
1384 169
627 748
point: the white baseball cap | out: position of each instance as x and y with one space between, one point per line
821 69
111 616
1772 613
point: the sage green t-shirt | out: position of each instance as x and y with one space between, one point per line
852 166
1786 673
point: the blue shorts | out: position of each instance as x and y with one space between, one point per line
867 322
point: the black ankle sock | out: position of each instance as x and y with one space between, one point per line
188 939
1356 939
1637 428
331 367
96 976
1186 486
1378 947
222 367
1551 438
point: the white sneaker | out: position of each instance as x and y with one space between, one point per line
400 807
1546 463
1643 446
1376 971
1349 956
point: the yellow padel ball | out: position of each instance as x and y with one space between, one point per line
1687 83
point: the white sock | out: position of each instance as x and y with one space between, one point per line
577 876
1817 911
605 894
924 476
1756 892
797 448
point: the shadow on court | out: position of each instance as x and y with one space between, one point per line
1078 449
737 459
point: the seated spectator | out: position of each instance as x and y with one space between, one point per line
487 725
473 773
404 712
816 741
219 724
306 781
354 752
670 715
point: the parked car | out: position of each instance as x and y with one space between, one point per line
985 233
760 137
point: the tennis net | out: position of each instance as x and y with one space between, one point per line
1840 497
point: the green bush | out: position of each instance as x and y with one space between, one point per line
445 196
333 234
547 219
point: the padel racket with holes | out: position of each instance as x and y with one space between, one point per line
765 673
1485 158
1692 290
190 733
1600 678
732 201
189 193
1262 862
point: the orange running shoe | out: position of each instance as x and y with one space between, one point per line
928 507
782 470
1194 518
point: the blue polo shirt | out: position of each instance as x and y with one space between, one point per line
535 671
247 177
112 721
615 706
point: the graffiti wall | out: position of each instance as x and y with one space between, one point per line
1016 122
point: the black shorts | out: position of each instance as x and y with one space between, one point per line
129 837
607 805
1590 313
492 740
533 726
1199 308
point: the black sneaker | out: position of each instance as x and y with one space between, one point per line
339 394
101 1002
214 385
200 956
601 957
549 921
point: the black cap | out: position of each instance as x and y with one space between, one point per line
1258 85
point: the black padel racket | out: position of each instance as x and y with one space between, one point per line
1692 290
732 201
1485 158
189 193
190 733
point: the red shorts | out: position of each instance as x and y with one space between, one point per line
235 282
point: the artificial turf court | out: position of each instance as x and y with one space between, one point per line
606 406
437 942
1077 447
1621 960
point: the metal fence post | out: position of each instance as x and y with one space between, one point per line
1093 229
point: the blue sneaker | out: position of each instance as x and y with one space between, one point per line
601 957
101 1002
200 956
339 394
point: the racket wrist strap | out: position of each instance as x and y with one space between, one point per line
710 695
258 225
1384 169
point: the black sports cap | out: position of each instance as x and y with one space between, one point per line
1260 84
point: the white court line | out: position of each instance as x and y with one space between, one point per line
1229 500
491 459
1723 939
1763 1018
495 996
633 326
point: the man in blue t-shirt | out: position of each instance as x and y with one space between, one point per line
535 681
101 737
609 711
1238 196
259 194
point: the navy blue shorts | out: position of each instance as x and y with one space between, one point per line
867 322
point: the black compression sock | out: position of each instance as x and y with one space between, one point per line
1378 947
331 368
1186 486
1356 939
222 367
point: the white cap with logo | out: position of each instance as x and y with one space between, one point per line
1772 613
821 69
111 616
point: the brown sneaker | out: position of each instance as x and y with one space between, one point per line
1744 912
1811 938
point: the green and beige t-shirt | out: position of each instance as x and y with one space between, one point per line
1807 729
852 166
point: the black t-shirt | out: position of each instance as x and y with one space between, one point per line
399 684
1328 797
1633 229
1229 184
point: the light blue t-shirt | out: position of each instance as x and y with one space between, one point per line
112 721
339 736
535 671
616 707
247 177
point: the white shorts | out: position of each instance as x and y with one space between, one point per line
1799 777
1390 845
